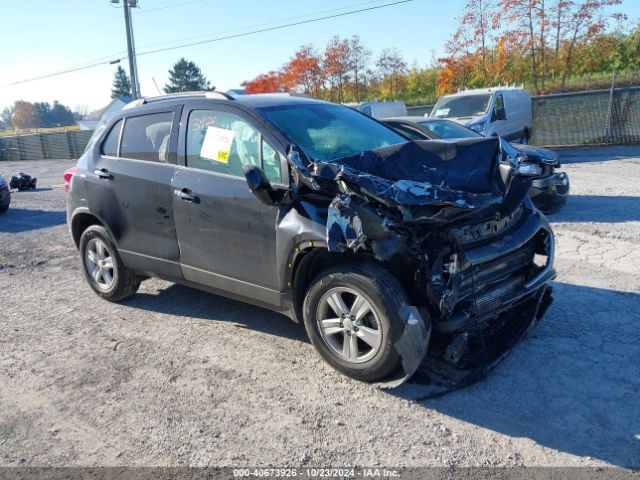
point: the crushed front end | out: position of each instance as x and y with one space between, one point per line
486 295
454 223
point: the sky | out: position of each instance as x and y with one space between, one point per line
45 36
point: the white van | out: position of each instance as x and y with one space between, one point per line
380 109
499 111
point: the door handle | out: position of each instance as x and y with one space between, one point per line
186 195
103 173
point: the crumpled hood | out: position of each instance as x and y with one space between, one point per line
462 174
379 195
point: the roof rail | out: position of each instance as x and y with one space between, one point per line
145 100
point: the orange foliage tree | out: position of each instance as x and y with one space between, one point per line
266 83
303 73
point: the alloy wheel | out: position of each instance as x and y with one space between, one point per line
349 325
99 264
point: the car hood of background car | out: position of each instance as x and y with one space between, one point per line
543 155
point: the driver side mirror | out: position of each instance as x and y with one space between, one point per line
501 114
259 185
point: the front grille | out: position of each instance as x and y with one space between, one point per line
485 285
489 301
482 276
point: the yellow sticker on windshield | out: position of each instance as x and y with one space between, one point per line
223 156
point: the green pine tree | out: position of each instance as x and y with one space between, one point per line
187 77
121 84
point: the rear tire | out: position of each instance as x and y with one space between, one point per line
351 314
103 268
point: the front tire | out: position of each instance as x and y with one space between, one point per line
351 314
103 268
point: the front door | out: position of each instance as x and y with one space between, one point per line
500 127
227 237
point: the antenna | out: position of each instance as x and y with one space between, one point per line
157 88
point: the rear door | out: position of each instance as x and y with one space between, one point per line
227 238
133 190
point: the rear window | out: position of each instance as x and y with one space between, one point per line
447 129
146 137
110 144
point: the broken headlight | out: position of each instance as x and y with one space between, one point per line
527 169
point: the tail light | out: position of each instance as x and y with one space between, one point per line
67 177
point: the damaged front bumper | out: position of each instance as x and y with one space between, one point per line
486 321
550 193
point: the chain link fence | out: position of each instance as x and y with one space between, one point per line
41 146
586 118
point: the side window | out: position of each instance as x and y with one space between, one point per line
110 144
221 142
410 133
270 163
146 137
499 103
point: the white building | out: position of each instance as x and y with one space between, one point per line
90 121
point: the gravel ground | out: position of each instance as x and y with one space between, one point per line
174 376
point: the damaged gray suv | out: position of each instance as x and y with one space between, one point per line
401 258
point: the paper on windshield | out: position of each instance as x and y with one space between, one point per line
217 144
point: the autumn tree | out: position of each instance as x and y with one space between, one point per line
266 83
421 83
392 66
359 59
528 21
584 20
336 66
474 31
186 76
24 115
303 72
121 84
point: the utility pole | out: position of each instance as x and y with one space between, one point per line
133 67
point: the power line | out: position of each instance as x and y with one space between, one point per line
311 14
92 26
262 30
211 40
159 44
173 5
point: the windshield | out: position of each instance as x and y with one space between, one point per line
461 106
447 129
327 132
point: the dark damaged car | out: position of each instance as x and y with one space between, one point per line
399 257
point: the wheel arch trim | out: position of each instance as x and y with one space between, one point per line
74 219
